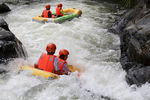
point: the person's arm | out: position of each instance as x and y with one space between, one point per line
56 66
62 13
49 15
42 14
36 64
65 69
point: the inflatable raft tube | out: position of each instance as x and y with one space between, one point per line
45 74
69 13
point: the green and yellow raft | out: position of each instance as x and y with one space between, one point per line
45 74
69 14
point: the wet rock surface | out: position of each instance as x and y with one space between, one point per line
4 8
134 31
10 46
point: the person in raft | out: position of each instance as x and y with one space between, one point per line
49 62
59 10
63 55
47 13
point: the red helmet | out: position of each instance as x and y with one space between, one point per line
47 6
51 47
59 5
63 52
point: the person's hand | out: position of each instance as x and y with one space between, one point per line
35 66
58 72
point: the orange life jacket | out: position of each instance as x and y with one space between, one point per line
61 62
45 13
59 12
46 62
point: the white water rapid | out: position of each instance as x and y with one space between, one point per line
91 47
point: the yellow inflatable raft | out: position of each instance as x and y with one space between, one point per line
69 13
45 74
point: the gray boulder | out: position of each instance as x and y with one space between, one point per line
10 46
134 31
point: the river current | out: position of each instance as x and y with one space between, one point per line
92 48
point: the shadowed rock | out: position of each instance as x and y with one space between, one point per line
134 31
3 24
4 8
10 46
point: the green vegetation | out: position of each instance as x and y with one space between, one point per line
128 3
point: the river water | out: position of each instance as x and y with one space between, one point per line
92 48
